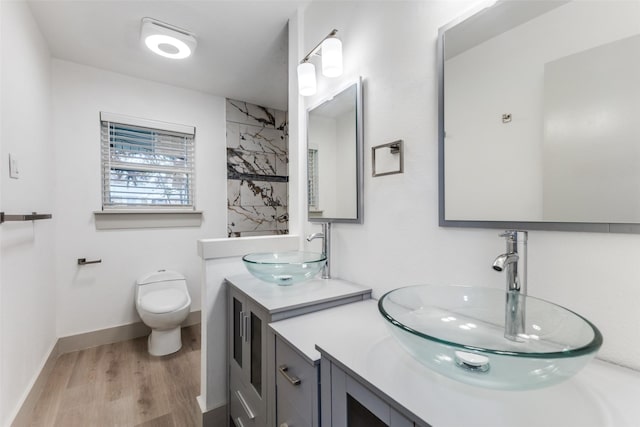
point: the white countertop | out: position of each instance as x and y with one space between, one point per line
275 298
355 335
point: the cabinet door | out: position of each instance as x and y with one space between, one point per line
238 332
353 405
257 322
247 358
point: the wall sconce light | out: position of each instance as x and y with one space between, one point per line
331 53
167 40
306 79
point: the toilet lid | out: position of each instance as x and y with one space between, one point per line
163 301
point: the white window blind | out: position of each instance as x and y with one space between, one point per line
145 167
312 176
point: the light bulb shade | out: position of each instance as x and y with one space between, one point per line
332 57
306 79
166 41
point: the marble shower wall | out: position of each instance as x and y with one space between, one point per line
257 170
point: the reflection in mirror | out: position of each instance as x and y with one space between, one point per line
540 116
334 162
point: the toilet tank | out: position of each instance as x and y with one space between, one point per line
160 276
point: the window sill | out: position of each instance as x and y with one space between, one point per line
127 219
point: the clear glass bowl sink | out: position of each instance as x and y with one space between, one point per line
284 268
459 332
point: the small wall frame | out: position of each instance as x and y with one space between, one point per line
387 159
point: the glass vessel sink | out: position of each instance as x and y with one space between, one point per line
459 332
284 268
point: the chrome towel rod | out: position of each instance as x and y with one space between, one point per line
26 217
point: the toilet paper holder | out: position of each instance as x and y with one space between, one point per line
83 261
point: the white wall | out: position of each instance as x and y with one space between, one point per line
334 138
506 74
345 166
27 278
2 392
590 150
322 136
393 46
101 296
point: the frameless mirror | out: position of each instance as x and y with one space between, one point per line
538 116
335 157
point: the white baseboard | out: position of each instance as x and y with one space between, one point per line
115 334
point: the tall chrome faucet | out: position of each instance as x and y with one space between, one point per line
514 261
325 235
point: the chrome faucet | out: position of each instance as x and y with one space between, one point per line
325 235
514 261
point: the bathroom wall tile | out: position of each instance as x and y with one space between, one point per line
282 219
250 114
257 170
263 193
233 192
255 218
249 162
233 135
282 121
255 138
282 165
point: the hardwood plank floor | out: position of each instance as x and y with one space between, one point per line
121 384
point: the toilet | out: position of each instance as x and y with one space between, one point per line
163 303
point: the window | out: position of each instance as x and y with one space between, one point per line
146 164
312 176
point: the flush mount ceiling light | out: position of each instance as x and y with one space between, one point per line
331 52
167 40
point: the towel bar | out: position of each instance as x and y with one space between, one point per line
26 217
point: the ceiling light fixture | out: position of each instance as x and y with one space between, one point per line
331 54
167 40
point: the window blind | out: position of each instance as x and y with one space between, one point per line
144 167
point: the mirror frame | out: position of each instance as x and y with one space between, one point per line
602 227
359 152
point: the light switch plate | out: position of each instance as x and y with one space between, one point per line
14 171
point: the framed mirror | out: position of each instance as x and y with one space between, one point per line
538 125
335 157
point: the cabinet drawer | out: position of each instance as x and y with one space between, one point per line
244 410
296 383
290 416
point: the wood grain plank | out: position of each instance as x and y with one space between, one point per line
121 384
48 404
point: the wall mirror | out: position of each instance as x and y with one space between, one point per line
335 157
538 121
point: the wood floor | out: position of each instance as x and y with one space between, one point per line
122 385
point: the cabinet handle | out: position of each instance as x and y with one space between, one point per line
245 406
293 380
239 422
246 327
241 322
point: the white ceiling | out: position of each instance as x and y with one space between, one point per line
241 52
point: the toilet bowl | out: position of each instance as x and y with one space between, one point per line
163 303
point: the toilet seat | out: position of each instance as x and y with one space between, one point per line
163 301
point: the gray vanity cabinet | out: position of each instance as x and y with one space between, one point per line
253 372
